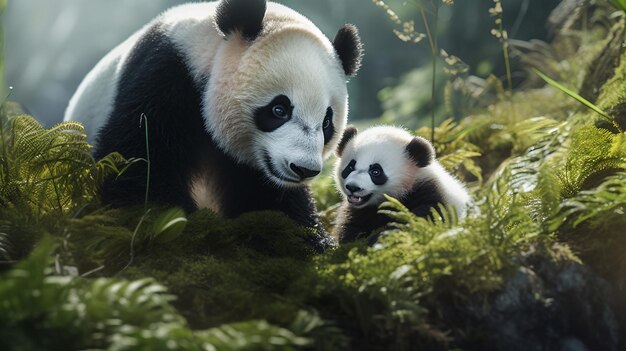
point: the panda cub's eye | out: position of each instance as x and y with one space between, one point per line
377 174
376 170
279 111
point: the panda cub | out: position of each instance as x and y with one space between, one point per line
389 160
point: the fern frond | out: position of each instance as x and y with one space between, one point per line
5 247
453 149
50 170
596 204
594 153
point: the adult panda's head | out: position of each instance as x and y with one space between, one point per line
277 97
381 160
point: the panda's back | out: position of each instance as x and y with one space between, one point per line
94 99
191 30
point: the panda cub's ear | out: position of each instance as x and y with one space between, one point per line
348 45
348 134
420 151
243 16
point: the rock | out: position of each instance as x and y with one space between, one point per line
544 305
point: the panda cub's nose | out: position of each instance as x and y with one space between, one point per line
353 188
303 172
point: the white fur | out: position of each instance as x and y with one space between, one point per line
386 146
92 103
290 57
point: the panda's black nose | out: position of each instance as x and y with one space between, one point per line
353 188
302 172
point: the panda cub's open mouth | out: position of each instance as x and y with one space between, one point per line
358 200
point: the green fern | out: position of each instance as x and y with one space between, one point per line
111 314
453 149
49 170
605 203
593 154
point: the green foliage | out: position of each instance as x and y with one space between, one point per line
601 205
576 96
453 149
48 171
169 226
112 314
593 154
620 4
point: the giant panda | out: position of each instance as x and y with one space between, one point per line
243 100
389 160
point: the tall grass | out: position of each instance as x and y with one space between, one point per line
503 36
144 120
408 34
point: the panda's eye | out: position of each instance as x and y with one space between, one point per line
328 118
377 174
326 123
279 111
376 170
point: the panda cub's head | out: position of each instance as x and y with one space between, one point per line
277 97
381 160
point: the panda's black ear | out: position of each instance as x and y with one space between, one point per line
420 151
243 16
348 134
348 45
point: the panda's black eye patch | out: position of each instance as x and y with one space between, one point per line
349 168
273 115
377 174
327 125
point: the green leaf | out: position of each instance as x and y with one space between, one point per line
169 226
620 4
576 96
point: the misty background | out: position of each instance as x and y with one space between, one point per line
51 45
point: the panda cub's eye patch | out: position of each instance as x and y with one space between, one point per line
273 115
327 125
349 169
377 174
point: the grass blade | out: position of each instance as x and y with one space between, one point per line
576 96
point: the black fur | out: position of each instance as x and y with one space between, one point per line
245 16
349 169
379 179
266 120
348 134
328 126
157 83
354 223
420 151
348 45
